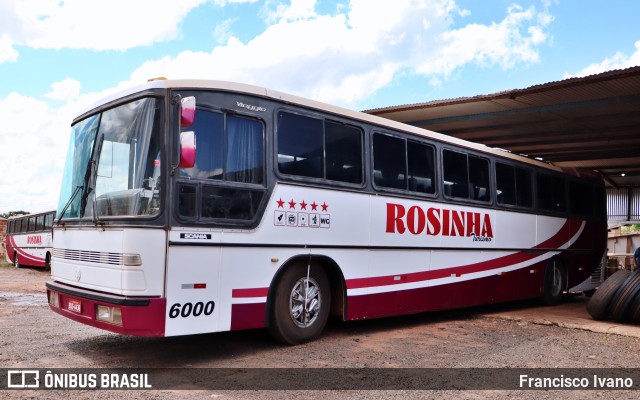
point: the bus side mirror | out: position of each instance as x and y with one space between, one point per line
187 111
187 149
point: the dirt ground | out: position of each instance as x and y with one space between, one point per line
31 336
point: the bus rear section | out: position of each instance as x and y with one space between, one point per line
110 279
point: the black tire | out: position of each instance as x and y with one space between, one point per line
598 306
289 321
47 262
634 310
623 297
555 280
16 262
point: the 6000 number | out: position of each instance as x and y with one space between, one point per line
187 309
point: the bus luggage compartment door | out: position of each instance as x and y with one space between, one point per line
193 276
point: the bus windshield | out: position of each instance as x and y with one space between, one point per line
114 164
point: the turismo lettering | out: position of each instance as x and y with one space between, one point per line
438 221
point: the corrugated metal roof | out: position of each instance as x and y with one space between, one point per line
590 123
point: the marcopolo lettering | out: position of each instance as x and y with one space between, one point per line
196 236
438 221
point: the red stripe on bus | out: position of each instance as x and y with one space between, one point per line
250 292
23 254
248 316
567 231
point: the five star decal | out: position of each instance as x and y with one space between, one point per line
301 214
302 205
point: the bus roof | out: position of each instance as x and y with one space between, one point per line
296 100
32 214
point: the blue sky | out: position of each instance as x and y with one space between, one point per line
57 56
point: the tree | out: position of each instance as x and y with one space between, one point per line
13 214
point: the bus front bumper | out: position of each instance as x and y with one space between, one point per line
139 316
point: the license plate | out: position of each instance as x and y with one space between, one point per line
75 306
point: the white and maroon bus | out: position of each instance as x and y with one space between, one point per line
288 211
29 239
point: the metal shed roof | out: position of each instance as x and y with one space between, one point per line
588 123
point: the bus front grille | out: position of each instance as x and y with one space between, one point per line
88 256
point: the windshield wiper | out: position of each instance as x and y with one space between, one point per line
95 164
73 196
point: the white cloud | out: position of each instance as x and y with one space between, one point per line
7 52
222 32
345 57
503 44
295 10
340 58
68 89
222 3
33 140
34 137
617 61
93 24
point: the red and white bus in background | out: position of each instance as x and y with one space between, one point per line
29 239
288 211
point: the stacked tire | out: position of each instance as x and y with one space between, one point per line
617 298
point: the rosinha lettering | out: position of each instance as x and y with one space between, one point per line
438 222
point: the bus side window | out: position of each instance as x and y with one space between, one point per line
551 193
48 222
187 201
455 173
579 191
524 191
421 165
389 161
209 128
300 145
559 193
245 154
343 152
479 178
505 184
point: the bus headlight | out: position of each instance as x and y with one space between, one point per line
53 299
112 315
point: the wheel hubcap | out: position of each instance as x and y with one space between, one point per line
305 302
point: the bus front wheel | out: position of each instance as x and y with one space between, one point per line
16 263
300 305
554 283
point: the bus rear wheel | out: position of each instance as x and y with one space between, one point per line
300 305
554 283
